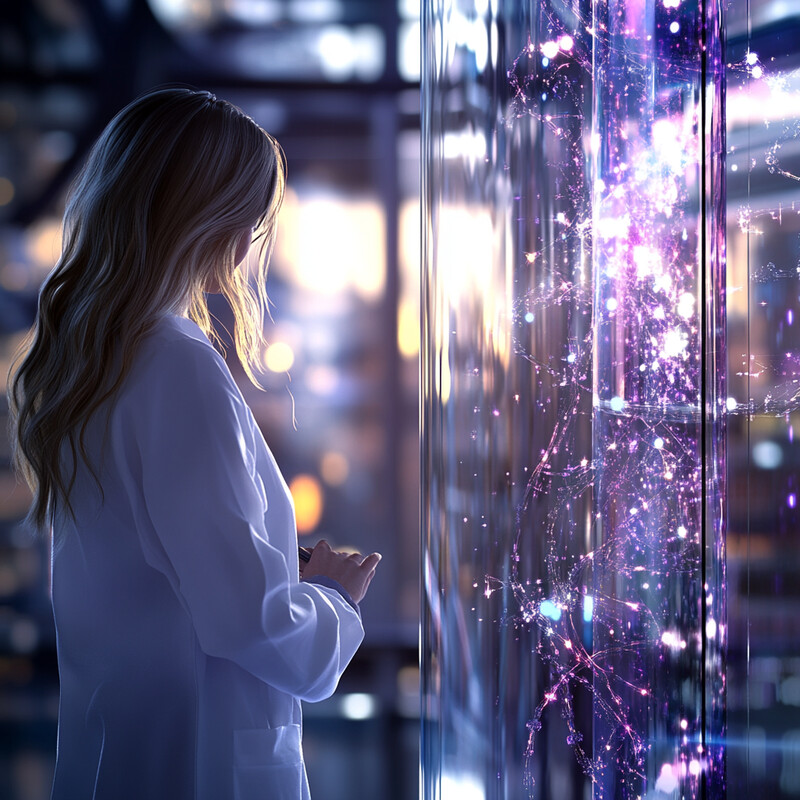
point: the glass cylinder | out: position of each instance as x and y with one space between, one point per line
573 619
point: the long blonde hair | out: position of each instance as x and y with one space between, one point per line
154 216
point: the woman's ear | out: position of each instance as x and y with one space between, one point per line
243 246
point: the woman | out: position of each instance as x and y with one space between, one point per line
186 638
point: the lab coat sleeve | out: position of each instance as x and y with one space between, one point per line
205 504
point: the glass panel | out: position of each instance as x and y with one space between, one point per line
572 160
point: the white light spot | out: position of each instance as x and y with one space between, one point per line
675 343
682 531
611 304
550 49
658 443
667 781
731 404
566 42
674 27
617 403
686 305
767 455
358 706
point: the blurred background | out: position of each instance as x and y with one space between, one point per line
337 83
763 300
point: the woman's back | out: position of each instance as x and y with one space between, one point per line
179 679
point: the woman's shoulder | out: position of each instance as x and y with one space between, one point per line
176 351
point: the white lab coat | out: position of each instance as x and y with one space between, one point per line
185 639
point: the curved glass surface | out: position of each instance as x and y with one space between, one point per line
572 412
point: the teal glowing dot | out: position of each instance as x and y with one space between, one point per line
588 608
550 610
529 317
658 443
617 404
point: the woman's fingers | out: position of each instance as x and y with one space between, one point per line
353 571
371 561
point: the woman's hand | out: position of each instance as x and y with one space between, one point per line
352 570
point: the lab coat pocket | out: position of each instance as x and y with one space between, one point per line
268 764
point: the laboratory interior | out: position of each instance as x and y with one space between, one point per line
531 337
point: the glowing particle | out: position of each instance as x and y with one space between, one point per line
789 317
633 512
675 343
667 781
684 724
529 317
561 218
752 58
617 403
670 639
584 462
711 629
672 3
791 500
568 644
682 531
571 358
658 443
731 404
694 767
566 42
611 304
757 72
686 305
674 27
588 608
550 49
545 62
550 610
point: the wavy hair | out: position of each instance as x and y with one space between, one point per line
155 216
